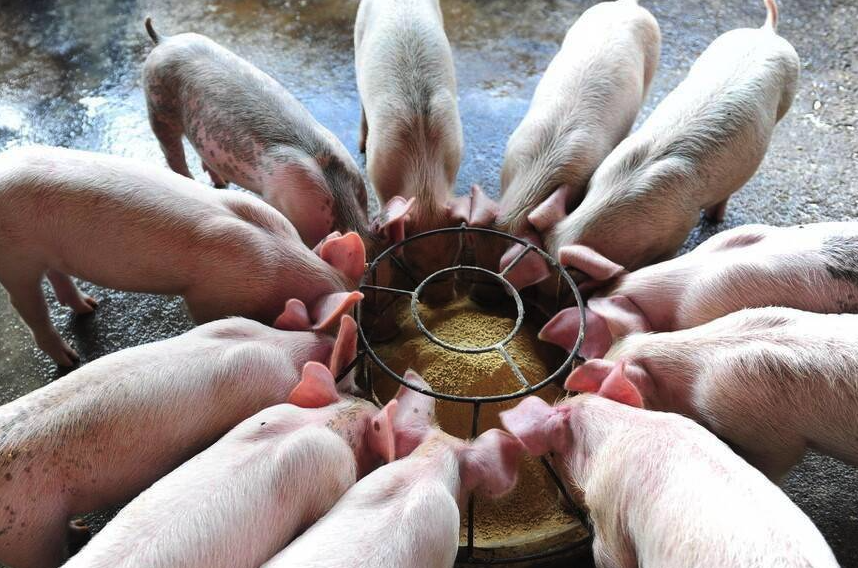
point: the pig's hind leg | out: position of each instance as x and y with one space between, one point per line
217 181
25 294
68 293
717 212
170 138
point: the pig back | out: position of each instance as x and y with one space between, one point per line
118 223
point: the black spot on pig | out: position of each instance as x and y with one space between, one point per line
841 258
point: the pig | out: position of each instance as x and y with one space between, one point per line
662 492
701 144
120 223
583 106
406 513
103 433
248 129
410 126
771 381
810 267
235 504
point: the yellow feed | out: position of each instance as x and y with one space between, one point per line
533 506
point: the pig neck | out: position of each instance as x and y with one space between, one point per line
657 291
429 211
294 263
605 438
593 421
350 419
436 459
662 369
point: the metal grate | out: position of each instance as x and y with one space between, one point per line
368 283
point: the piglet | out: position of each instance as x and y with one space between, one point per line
410 126
248 129
701 144
662 492
810 267
771 381
407 513
120 223
100 435
235 504
583 106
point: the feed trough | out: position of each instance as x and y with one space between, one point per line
479 358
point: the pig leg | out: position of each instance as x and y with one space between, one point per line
170 139
69 295
25 294
717 212
217 181
363 131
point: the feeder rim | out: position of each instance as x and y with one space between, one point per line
461 230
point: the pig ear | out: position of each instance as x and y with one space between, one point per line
551 211
328 309
589 262
318 248
490 463
394 216
326 312
316 389
477 210
415 414
381 434
344 352
346 253
589 376
618 387
562 330
528 271
294 317
539 426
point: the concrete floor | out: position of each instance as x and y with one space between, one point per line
71 77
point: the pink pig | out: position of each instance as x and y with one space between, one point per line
410 126
583 106
122 224
662 492
702 143
235 504
810 267
249 129
771 381
100 435
407 513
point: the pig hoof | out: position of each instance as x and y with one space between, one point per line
86 305
61 353
79 534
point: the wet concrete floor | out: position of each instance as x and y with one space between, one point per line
70 76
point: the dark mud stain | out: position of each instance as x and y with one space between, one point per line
841 258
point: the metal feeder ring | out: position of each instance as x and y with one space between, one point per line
368 284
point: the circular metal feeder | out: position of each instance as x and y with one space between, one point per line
468 553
